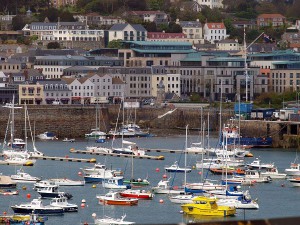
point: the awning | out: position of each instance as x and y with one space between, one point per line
31 88
24 88
38 99
50 99
76 98
65 99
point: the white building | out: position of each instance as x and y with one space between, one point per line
193 31
228 45
170 81
214 32
211 3
127 32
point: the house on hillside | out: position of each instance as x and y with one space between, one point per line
214 32
127 32
274 20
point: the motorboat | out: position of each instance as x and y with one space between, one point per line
115 183
140 194
255 175
101 139
111 221
68 140
273 173
238 180
206 206
67 182
201 187
163 187
294 170
36 206
176 169
295 181
6 182
196 148
130 148
63 203
99 168
99 149
257 164
230 171
114 198
182 198
52 192
44 183
17 143
22 177
136 182
8 192
47 136
95 133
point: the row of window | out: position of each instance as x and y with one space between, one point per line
283 75
9 67
84 87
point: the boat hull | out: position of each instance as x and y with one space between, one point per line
252 141
54 195
45 211
118 202
191 209
146 196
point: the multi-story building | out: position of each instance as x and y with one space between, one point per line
274 20
60 3
211 3
54 65
55 90
10 65
228 45
214 32
158 53
127 32
285 76
95 85
162 36
157 17
99 20
31 94
192 30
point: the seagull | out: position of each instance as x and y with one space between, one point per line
167 113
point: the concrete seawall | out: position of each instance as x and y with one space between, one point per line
75 121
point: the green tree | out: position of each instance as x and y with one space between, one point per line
115 44
53 45
156 4
18 22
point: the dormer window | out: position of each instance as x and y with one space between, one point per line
46 86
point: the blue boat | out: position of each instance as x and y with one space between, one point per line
52 192
36 206
234 138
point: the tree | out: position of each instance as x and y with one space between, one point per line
115 44
53 45
18 22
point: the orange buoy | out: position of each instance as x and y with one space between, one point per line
79 173
157 170
28 196
161 201
82 205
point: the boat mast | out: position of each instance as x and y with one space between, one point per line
12 126
185 152
25 125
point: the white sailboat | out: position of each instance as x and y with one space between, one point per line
186 197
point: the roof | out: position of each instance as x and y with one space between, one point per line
161 43
146 12
228 41
163 35
267 16
122 26
116 80
216 25
68 80
190 24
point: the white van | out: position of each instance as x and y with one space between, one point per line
56 102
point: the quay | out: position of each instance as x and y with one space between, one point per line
65 159
118 155
170 151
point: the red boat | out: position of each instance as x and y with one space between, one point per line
114 198
129 193
229 171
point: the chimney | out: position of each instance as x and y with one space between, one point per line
26 75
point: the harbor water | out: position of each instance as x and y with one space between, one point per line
276 199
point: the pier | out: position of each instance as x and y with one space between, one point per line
65 159
170 151
118 155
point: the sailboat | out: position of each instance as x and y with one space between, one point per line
186 197
96 133
20 156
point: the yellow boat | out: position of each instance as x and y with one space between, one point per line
205 206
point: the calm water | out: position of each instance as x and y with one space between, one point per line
277 199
